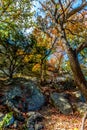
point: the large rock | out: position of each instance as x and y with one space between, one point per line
35 99
34 121
79 96
25 97
60 101
81 107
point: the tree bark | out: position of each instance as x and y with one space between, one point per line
11 75
42 72
79 78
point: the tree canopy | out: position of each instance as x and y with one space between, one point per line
59 30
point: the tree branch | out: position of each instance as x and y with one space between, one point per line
72 12
53 1
83 121
54 42
74 33
45 8
63 12
81 47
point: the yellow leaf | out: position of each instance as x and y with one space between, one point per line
76 129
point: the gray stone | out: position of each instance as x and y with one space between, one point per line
39 126
79 96
33 121
20 117
25 97
35 117
1 116
35 102
30 127
81 107
10 104
15 125
14 91
30 113
61 103
36 99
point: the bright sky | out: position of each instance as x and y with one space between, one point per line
37 5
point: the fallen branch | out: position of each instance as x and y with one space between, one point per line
83 121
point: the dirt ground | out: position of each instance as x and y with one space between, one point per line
54 120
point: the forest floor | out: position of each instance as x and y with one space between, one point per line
54 120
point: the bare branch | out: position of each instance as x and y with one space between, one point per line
53 1
46 9
63 12
68 6
72 12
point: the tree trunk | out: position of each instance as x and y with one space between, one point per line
11 75
79 78
42 72
77 72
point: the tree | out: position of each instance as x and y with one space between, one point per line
61 15
13 52
44 48
10 58
16 14
16 18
